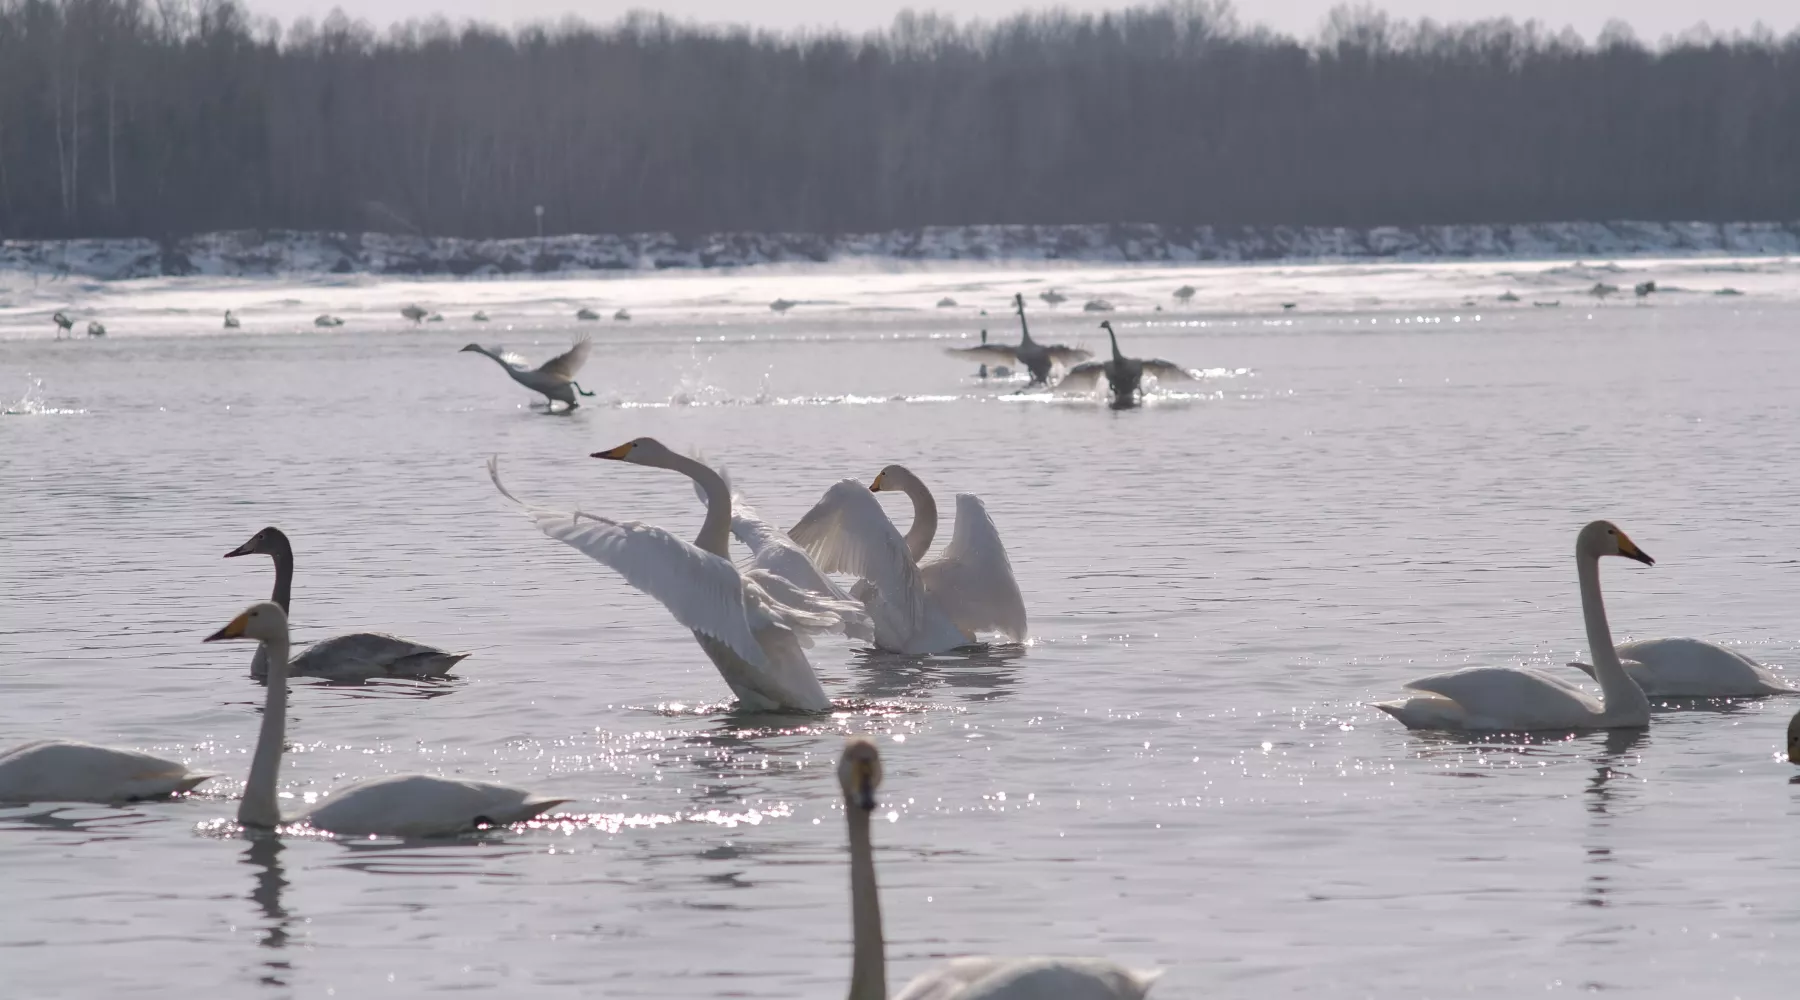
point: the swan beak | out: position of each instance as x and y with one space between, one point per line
246 549
235 630
1629 550
865 786
616 454
875 487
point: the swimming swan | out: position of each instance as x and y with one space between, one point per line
1691 668
969 978
1794 739
1124 376
917 607
555 378
69 771
753 636
1485 699
357 656
401 805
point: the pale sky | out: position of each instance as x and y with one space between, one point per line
1652 19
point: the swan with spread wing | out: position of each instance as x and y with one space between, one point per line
917 606
1124 376
555 378
753 624
1037 358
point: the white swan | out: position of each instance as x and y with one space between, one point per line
752 624
1692 668
555 378
70 771
357 656
969 978
1488 699
917 607
401 805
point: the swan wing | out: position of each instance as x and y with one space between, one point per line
704 592
565 365
848 532
1166 369
364 655
72 771
510 359
1512 698
994 352
988 978
1694 668
420 805
803 610
1083 376
973 579
1065 356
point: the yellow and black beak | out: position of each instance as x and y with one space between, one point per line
865 786
875 487
616 454
1629 550
234 630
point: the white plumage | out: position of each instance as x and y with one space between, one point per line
1693 668
71 771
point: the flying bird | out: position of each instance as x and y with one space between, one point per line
554 378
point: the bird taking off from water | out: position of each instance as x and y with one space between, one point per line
554 378
1124 376
1037 358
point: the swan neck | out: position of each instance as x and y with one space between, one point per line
1115 344
284 579
1024 328
1621 694
260 807
715 531
868 963
925 513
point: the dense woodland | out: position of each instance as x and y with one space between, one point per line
135 118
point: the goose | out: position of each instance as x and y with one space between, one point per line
400 805
752 624
1037 358
1692 668
971 977
1492 699
71 771
1185 293
358 656
1125 376
414 313
231 321
96 328
917 606
555 378
63 324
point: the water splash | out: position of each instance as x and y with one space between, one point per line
32 403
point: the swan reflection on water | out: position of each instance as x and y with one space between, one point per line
264 857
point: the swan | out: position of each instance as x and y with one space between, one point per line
1185 293
554 378
327 320
1053 297
71 771
917 607
969 978
414 312
480 316
400 805
1486 699
1794 738
96 328
231 321
355 657
1125 376
587 314
1037 358
1691 668
63 324
752 624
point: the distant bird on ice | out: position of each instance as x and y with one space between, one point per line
554 378
782 305
327 319
414 313
63 324
622 315
480 316
1053 297
1643 288
1124 376
1184 293
96 328
231 322
585 313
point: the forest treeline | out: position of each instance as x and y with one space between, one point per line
135 118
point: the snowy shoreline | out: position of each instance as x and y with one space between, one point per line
262 254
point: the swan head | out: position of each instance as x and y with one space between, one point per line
270 541
1603 538
893 477
859 772
264 622
1794 738
477 348
639 451
1019 302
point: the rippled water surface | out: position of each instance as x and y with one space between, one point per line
1179 770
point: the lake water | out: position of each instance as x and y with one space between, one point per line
1178 771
